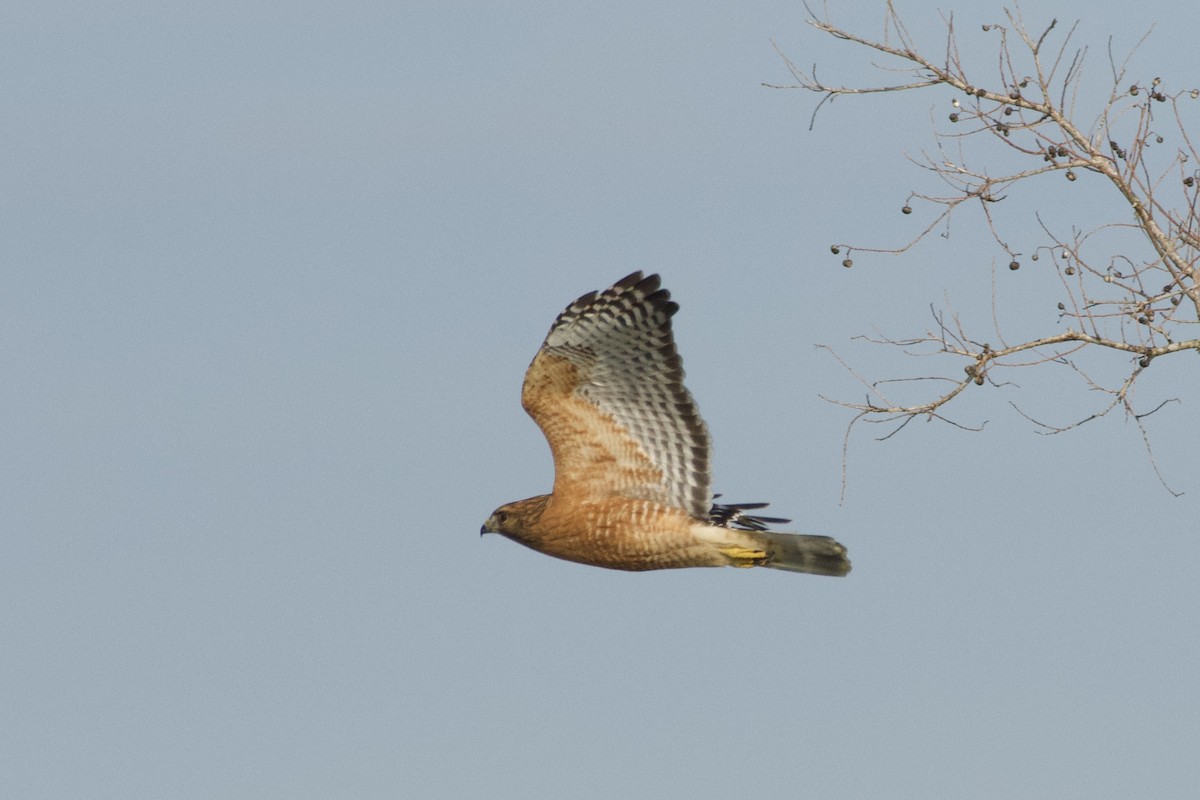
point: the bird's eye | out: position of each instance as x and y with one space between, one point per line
501 517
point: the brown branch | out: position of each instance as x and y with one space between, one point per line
1117 299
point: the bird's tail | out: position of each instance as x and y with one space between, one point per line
798 552
794 552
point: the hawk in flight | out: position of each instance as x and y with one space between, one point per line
632 457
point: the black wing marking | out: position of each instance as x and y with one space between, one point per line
730 515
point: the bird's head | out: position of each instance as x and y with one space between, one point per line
498 521
516 520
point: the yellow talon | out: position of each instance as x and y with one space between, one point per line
744 556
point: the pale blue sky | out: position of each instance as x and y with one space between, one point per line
271 276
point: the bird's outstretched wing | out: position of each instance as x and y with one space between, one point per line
606 388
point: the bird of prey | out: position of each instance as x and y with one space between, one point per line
632 457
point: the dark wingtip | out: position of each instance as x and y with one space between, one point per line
732 515
632 279
648 285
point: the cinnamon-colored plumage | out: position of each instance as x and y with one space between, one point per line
632 457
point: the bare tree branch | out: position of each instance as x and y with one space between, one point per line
1134 295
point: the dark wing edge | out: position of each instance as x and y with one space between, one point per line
732 515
